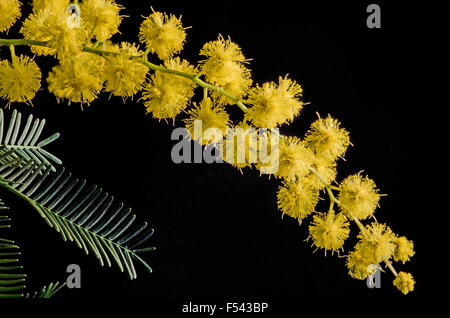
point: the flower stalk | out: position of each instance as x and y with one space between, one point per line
143 59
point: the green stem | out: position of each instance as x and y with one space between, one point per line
391 268
8 42
13 52
327 186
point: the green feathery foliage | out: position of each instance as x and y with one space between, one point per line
47 291
12 280
25 142
83 215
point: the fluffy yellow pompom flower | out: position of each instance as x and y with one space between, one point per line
296 199
404 282
327 139
101 17
19 80
9 13
123 75
63 39
358 196
166 95
240 146
404 249
207 123
162 34
329 231
55 6
224 67
376 243
274 104
358 266
78 81
294 159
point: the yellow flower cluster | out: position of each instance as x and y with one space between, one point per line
51 5
19 80
298 157
162 34
90 63
327 139
294 158
224 66
274 104
80 76
404 282
377 244
165 95
404 249
329 231
358 196
297 199
52 27
207 122
123 75
78 81
9 13
101 17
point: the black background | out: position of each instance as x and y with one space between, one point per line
218 233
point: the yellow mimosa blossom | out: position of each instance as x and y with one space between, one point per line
296 199
274 104
32 29
240 146
124 76
358 266
404 249
162 34
376 243
325 168
327 139
165 95
329 231
404 282
358 196
224 67
213 121
55 6
79 80
9 13
101 17
19 80
294 159
53 28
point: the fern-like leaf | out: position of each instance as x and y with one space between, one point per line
84 215
47 291
12 280
26 141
